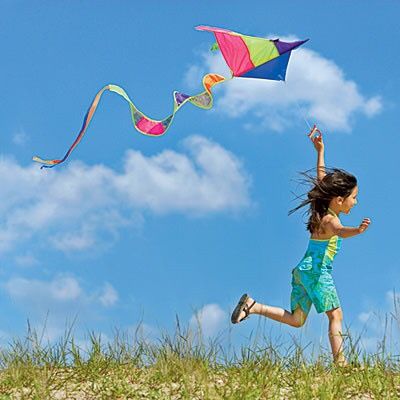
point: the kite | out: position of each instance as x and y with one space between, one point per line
246 56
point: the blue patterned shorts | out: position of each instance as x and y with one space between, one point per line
309 288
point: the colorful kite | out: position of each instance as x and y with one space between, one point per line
253 57
246 56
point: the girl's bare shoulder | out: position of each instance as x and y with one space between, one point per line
326 231
327 221
329 218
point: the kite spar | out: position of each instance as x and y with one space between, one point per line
246 56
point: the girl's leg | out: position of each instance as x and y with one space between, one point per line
335 335
296 318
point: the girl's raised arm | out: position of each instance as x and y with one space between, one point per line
319 146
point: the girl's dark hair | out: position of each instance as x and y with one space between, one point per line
336 182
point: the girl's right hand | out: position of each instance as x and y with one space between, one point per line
364 225
318 143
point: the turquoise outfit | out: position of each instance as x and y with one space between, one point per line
312 281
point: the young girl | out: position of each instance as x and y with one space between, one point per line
333 192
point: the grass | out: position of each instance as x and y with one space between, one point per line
184 366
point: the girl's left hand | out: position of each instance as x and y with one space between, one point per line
364 225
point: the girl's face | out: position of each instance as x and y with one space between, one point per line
350 201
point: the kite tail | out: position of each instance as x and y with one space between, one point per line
141 122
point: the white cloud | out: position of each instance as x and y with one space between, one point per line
75 241
55 306
26 260
320 86
381 325
143 332
210 319
109 296
193 76
212 181
64 289
370 343
20 138
393 298
73 206
365 316
60 289
62 293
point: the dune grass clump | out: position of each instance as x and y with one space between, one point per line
185 366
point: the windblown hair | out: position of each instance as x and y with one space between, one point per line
336 182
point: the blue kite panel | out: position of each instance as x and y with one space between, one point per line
274 69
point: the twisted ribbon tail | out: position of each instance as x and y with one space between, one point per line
141 122
86 121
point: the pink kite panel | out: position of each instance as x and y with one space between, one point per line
211 29
235 53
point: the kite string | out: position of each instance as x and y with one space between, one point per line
313 129
302 113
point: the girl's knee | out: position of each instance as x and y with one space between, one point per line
335 314
298 323
299 318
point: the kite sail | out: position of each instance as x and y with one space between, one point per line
253 57
246 56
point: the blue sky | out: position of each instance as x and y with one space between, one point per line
136 229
